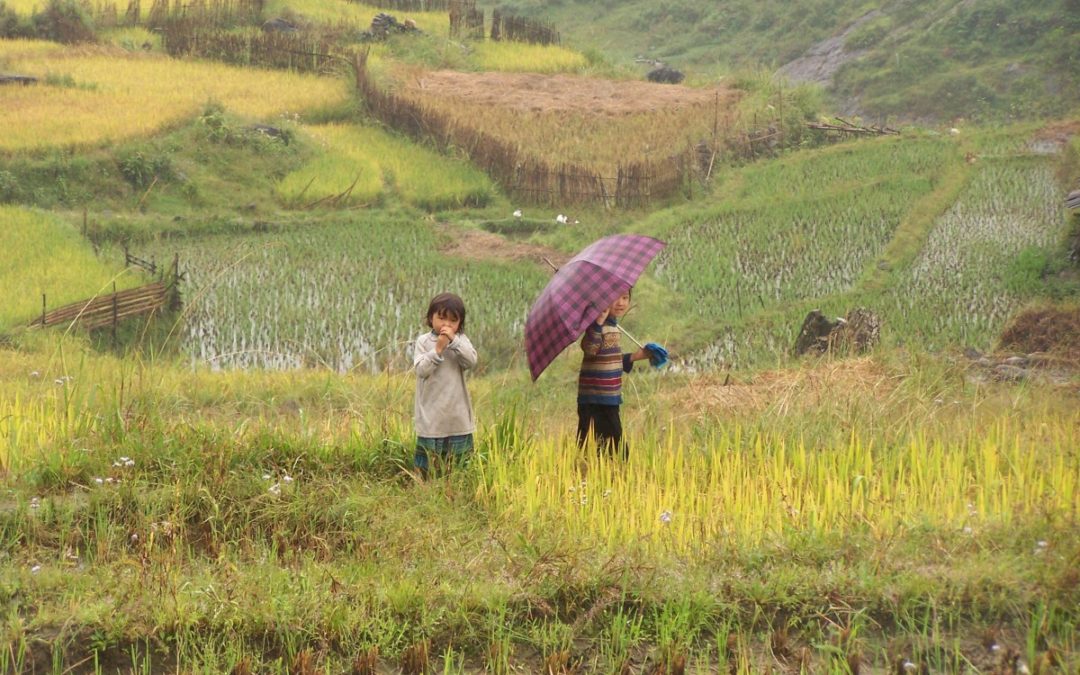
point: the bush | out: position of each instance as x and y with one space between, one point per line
64 21
12 25
142 167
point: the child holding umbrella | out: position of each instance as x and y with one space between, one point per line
600 379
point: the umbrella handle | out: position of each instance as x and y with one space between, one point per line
634 339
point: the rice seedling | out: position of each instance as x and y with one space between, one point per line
791 231
106 95
946 296
346 296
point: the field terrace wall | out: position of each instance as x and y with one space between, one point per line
287 51
522 177
466 19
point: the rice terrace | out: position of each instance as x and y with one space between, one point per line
807 273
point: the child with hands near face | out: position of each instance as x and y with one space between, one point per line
442 410
600 380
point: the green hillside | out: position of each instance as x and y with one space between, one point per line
911 59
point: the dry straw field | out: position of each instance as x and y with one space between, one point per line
571 119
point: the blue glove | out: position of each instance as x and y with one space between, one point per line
658 356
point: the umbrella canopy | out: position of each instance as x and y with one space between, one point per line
582 289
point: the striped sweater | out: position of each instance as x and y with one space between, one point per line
602 366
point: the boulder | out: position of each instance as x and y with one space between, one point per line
665 75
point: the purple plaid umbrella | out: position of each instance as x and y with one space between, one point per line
580 290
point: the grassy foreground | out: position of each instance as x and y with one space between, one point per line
842 516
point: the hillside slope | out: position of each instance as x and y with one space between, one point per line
912 59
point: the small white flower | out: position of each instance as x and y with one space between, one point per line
287 478
35 502
266 476
58 381
35 569
1022 669
99 480
35 374
1041 544
665 517
968 530
129 463
909 666
995 647
275 489
134 537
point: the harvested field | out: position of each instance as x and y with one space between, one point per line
532 92
567 120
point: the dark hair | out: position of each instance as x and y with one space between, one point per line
448 304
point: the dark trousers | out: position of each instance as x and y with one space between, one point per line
603 422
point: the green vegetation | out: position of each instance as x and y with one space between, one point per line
358 163
53 260
912 60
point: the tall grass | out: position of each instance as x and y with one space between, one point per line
89 98
53 259
742 487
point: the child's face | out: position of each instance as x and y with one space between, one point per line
440 320
620 306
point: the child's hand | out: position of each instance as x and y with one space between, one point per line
446 336
603 316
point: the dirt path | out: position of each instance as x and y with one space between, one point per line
480 245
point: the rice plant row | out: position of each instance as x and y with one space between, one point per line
792 231
957 290
344 296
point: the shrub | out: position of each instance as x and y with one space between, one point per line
141 167
64 21
12 25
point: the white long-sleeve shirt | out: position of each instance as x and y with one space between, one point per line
442 406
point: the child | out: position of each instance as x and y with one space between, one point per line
600 381
443 414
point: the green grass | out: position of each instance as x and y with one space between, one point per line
54 260
162 503
920 60
362 162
